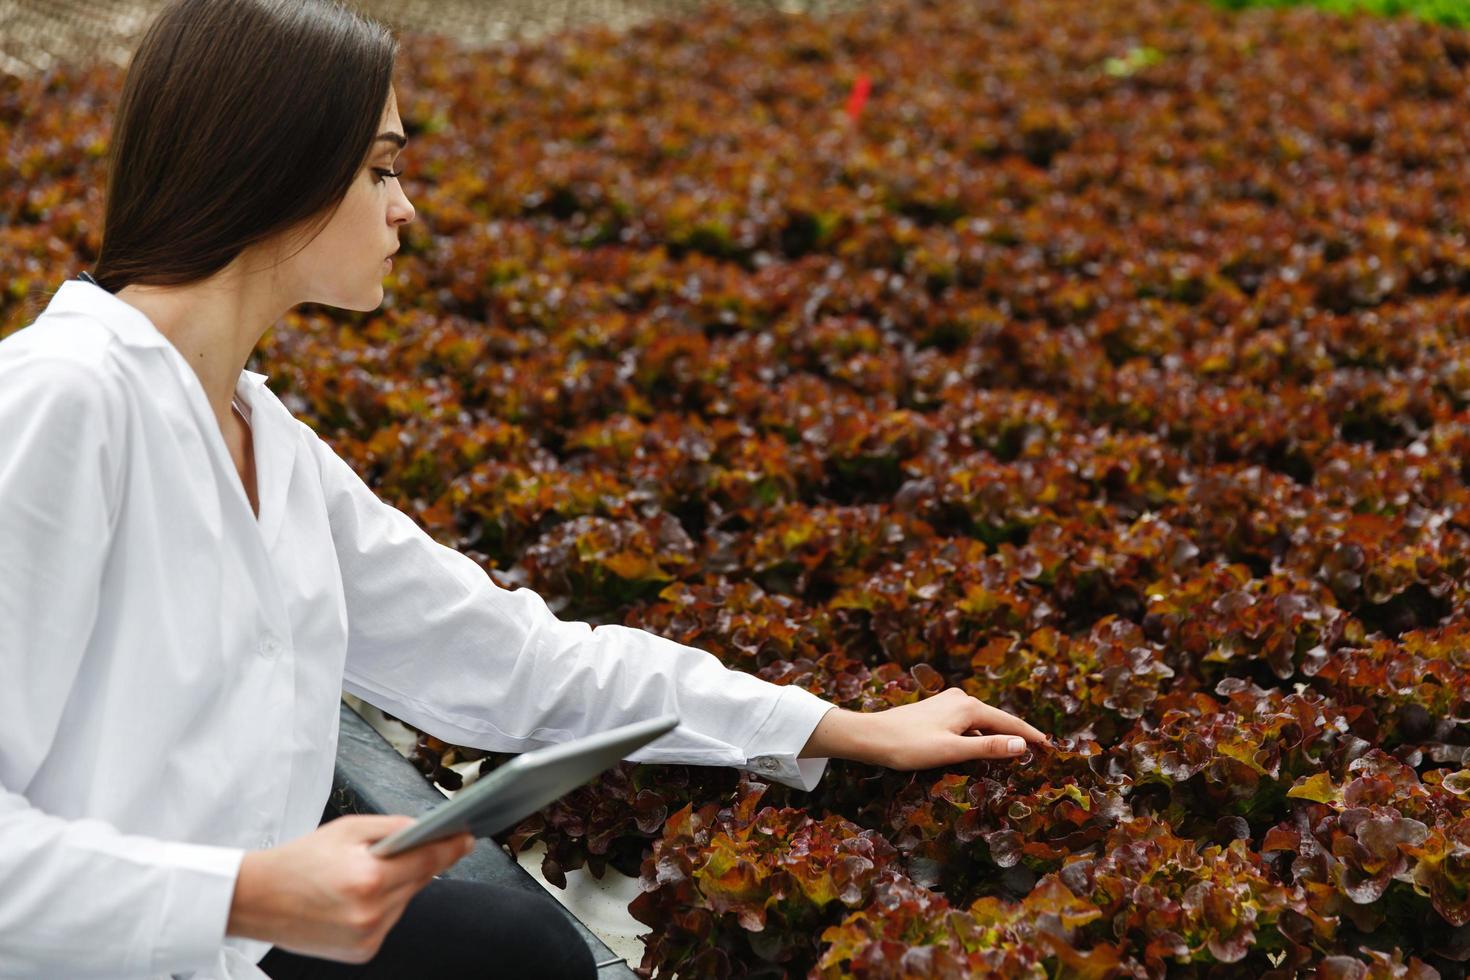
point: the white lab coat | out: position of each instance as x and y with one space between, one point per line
171 668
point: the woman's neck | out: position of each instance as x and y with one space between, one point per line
214 324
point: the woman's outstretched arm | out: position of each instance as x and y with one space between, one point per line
434 641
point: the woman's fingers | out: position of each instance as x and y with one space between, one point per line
427 860
993 746
991 719
951 726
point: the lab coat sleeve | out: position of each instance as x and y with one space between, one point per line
434 641
77 897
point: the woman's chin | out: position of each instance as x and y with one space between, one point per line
363 300
369 300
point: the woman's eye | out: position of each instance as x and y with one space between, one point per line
385 174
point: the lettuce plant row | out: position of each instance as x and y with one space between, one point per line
1111 362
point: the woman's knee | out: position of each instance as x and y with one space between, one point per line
560 950
510 932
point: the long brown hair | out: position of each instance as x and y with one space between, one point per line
238 119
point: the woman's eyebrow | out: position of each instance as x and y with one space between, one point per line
398 138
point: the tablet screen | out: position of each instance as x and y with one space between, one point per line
524 785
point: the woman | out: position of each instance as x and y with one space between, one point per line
189 577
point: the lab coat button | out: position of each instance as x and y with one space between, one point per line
267 842
269 646
766 764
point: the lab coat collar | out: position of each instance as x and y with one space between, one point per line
251 381
273 442
128 324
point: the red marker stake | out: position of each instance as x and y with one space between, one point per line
859 97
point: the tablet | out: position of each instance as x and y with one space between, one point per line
525 784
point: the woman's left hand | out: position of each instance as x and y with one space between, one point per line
941 730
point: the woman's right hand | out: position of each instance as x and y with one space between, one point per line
324 895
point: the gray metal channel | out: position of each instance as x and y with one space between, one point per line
372 777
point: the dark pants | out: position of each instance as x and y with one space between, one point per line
465 929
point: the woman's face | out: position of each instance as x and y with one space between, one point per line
345 264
